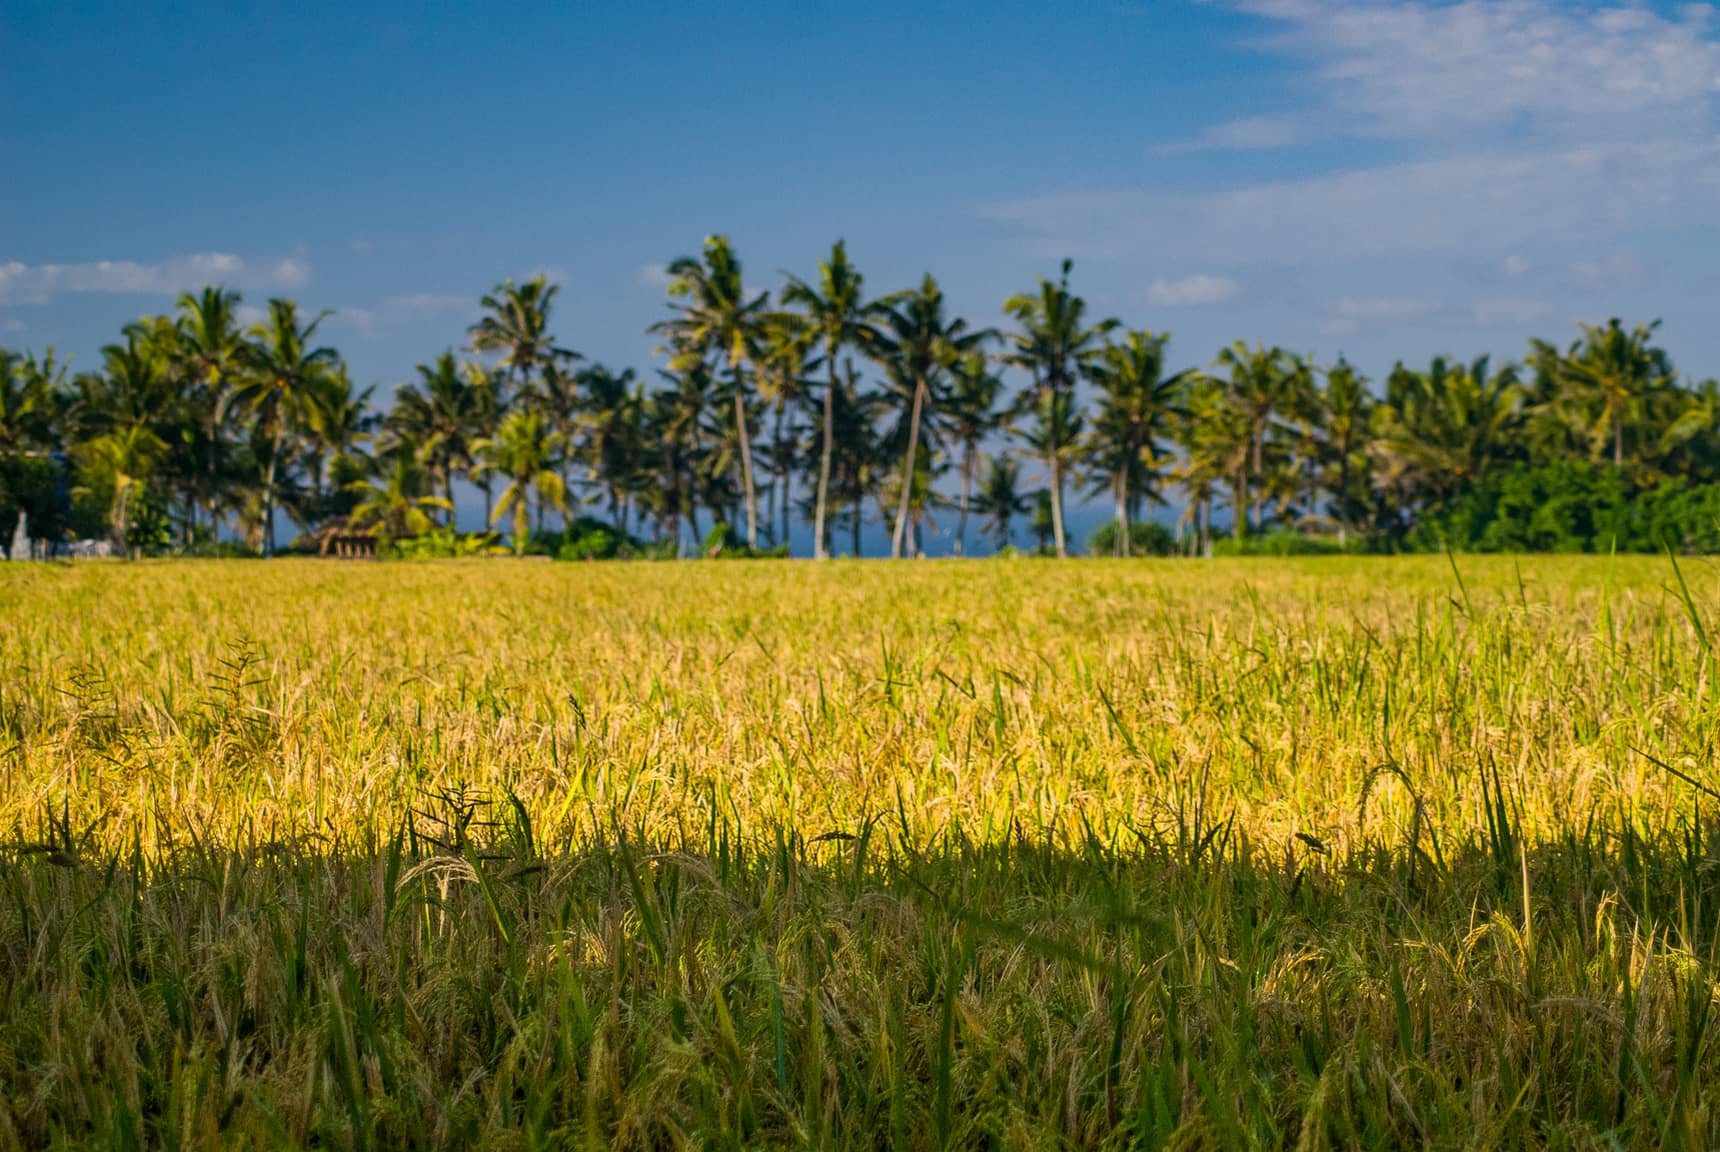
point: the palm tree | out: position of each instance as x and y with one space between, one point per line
434 416
610 410
1263 381
1052 436
1441 431
971 416
486 390
838 313
1138 404
338 419
856 466
523 453
515 324
915 344
397 504
1345 408
999 499
213 353
789 358
559 400
675 430
1214 438
1614 372
716 317
22 407
1694 433
121 462
30 394
1053 344
285 373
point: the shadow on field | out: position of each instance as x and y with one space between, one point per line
459 984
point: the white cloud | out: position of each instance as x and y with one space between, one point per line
1482 201
654 275
39 283
1421 69
1193 290
394 312
1252 133
1525 126
1607 273
1382 315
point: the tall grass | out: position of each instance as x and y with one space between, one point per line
1323 853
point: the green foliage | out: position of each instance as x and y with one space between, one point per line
446 544
722 542
1570 506
589 538
1146 538
37 486
193 428
1283 542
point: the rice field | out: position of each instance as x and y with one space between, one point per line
1377 853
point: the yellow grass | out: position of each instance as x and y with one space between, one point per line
1320 697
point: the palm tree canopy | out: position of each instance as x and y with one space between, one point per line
1053 341
516 325
715 315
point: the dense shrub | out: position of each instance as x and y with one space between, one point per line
35 485
445 543
1146 538
1566 506
1282 542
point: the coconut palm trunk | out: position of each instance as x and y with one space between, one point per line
781 472
746 455
967 486
1239 503
1057 503
1121 491
269 494
820 549
909 464
1056 463
1259 489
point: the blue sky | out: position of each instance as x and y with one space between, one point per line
1383 178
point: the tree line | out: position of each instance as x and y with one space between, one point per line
817 403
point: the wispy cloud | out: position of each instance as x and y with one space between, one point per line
1602 274
1252 133
1352 316
395 312
654 275
1524 133
1485 200
39 283
1432 69
1193 290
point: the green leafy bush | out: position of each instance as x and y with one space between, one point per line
1282 542
1146 538
445 543
588 538
1568 506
